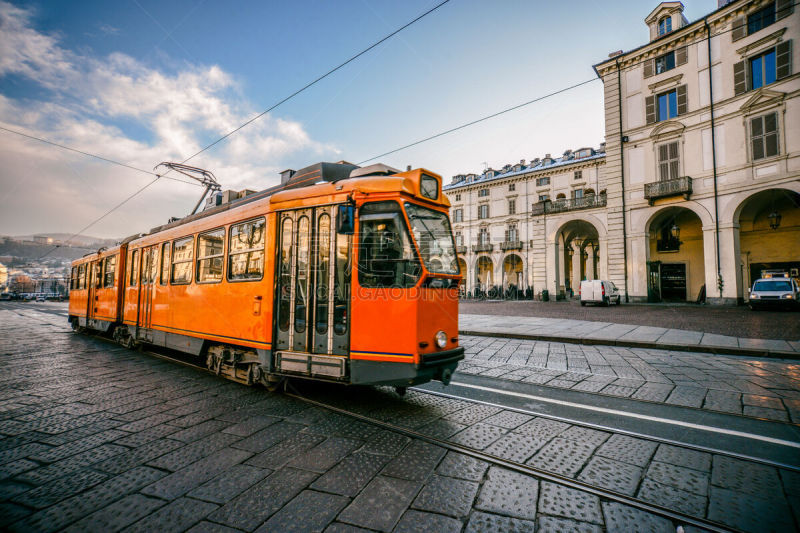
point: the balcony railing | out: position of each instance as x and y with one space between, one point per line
482 248
461 250
511 245
666 188
572 204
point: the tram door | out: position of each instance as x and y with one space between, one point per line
149 267
313 283
95 280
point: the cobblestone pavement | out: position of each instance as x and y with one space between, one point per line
94 437
723 320
746 386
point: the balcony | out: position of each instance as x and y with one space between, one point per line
511 245
572 204
461 250
667 188
482 248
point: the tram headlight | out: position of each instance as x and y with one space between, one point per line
441 339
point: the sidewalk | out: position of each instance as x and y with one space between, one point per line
589 332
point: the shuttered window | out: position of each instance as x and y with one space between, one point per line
666 105
483 211
764 136
483 237
767 67
458 215
665 25
668 161
761 18
762 69
512 207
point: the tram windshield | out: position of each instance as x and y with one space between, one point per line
435 239
386 255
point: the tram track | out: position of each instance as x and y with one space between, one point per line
678 517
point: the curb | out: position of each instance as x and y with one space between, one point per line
717 350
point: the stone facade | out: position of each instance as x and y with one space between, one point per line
700 173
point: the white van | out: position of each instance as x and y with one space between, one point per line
599 292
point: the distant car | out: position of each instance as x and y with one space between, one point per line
599 292
775 292
41 298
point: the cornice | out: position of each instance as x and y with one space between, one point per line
774 36
667 82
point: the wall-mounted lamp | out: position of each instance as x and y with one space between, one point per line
774 220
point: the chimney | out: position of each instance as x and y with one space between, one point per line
522 162
408 168
286 175
615 54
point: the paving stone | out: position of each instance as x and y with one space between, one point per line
687 396
118 515
447 496
258 503
386 442
764 412
673 498
515 447
679 477
251 425
478 436
338 527
309 511
562 456
138 456
30 449
611 474
381 504
199 431
542 428
462 466
175 516
748 512
71 464
492 523
59 516
507 419
570 503
10 513
683 457
758 480
418 522
623 519
229 483
627 449
325 455
726 401
416 462
16 467
442 429
351 474
62 452
195 451
277 456
148 435
210 527
195 474
472 414
585 435
565 525
509 493
54 491
755 400
268 437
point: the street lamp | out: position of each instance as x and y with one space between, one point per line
774 219
675 231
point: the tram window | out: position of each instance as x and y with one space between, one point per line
134 268
285 275
246 251
431 230
182 254
301 277
79 281
210 251
164 264
110 272
386 257
73 278
323 271
150 264
341 284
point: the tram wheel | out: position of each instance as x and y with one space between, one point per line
401 391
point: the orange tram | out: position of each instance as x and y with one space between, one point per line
340 273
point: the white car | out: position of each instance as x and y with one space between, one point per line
599 292
775 292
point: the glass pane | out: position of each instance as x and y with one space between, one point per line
662 107
135 267
182 250
769 68
210 243
758 147
673 150
111 268
755 73
434 238
164 263
756 127
301 280
209 270
673 170
771 144
673 103
285 275
247 235
341 282
247 265
771 123
386 257
323 271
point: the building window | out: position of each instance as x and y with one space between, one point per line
540 182
578 174
764 136
512 207
458 197
762 69
483 237
668 161
667 104
459 239
512 235
665 25
665 62
761 18
577 194
544 197
512 186
483 192
458 215
483 211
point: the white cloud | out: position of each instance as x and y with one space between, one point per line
122 109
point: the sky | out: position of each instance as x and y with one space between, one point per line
142 81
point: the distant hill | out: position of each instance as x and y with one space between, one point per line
80 240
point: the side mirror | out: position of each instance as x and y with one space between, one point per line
346 219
